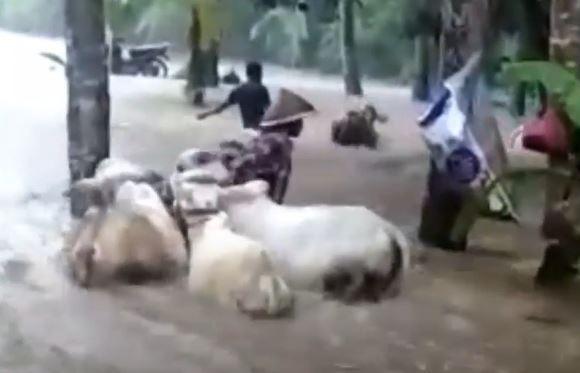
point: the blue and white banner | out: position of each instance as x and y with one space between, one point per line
462 136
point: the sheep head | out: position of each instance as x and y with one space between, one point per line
208 161
197 193
372 115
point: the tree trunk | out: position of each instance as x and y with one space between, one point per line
88 86
560 259
421 88
565 49
349 53
212 61
310 46
195 76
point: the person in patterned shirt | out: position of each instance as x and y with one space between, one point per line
267 157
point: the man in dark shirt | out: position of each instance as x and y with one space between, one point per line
252 98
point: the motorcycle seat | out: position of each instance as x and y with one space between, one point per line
149 48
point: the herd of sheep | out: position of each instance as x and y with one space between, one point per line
229 237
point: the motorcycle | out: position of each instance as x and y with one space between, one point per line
146 60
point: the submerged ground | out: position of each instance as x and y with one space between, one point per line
459 313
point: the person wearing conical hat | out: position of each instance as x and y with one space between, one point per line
268 155
286 114
273 146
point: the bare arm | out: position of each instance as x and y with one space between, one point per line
217 110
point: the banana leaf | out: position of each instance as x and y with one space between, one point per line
513 182
559 82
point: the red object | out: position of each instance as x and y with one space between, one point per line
546 134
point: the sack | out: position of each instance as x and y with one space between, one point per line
546 134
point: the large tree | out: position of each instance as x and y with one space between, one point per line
565 49
350 67
88 87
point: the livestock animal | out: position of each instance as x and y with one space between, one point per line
226 266
199 159
234 270
188 165
133 239
267 157
231 78
347 252
110 174
357 128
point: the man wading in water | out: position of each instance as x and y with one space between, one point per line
252 97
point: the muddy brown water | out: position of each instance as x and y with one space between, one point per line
470 312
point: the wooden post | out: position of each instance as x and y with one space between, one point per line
88 87
349 53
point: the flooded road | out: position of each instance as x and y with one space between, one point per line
463 313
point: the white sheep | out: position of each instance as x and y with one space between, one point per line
347 252
133 239
224 265
234 270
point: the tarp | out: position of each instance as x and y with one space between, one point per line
462 135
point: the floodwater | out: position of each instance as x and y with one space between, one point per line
459 313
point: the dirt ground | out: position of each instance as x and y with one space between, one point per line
459 313
472 312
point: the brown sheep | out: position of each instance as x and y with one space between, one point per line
357 128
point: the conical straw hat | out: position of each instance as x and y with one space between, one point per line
288 107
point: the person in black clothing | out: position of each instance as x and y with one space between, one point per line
252 97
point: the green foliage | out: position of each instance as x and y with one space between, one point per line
519 184
384 47
281 31
559 82
33 16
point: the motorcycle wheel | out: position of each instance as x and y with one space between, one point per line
157 68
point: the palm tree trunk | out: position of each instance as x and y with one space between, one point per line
88 86
560 259
349 52
212 60
195 76
421 87
565 49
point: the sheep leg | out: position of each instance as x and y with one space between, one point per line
344 284
355 290
251 303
